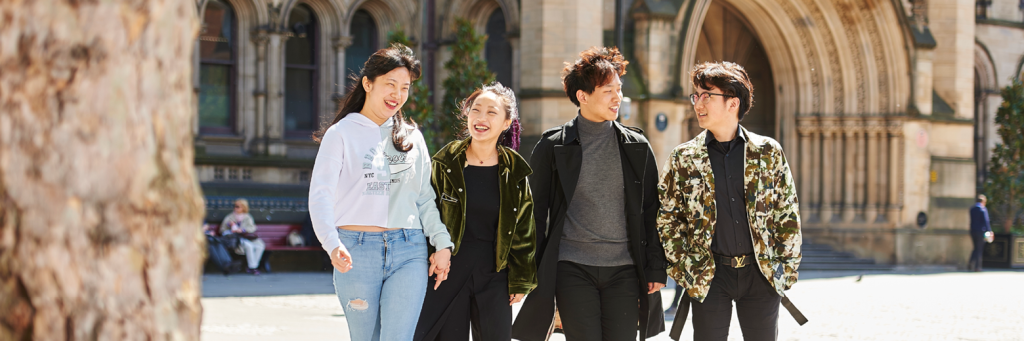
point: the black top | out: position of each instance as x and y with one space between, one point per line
482 204
732 229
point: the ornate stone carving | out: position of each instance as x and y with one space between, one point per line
803 25
881 66
342 42
274 11
832 53
847 13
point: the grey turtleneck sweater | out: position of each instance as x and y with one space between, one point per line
595 224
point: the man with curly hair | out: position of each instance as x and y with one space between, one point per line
595 205
729 221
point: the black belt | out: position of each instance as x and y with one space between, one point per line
735 262
683 308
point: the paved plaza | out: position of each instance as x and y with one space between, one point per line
904 305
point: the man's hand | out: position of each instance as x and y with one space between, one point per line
515 298
653 287
341 259
440 264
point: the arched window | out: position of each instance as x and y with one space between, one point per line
300 75
498 51
217 69
364 43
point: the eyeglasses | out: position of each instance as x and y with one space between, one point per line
236 206
705 97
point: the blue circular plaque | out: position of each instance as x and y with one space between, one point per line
661 121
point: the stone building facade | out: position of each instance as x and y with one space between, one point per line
885 107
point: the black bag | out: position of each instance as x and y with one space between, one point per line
218 253
229 241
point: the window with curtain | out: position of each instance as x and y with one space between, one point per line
364 44
301 75
217 69
498 51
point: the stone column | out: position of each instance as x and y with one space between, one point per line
275 95
895 204
883 174
805 130
952 23
553 32
860 187
829 181
816 172
259 145
513 39
849 170
340 44
873 155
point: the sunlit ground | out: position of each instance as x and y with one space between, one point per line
945 306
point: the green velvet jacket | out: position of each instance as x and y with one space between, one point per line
516 235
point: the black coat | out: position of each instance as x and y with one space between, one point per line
556 162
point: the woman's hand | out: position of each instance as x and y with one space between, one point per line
440 264
341 259
515 298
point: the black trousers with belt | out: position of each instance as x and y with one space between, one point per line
597 303
757 305
473 295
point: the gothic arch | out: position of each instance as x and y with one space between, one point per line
386 13
985 68
986 100
328 17
828 58
478 11
248 14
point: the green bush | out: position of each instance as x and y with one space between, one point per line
1005 182
467 70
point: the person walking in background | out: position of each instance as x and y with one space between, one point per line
729 219
485 201
981 232
372 205
596 202
240 223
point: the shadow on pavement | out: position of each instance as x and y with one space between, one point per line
318 283
272 284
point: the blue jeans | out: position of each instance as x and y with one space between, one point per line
383 293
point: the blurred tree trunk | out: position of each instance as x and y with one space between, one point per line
100 210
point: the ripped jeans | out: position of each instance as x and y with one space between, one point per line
383 293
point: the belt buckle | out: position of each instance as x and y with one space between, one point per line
738 261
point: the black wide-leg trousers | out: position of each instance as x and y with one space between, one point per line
597 303
473 295
757 306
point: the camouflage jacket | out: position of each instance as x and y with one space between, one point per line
687 217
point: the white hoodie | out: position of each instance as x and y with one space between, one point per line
359 178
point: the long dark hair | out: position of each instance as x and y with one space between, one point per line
510 137
380 63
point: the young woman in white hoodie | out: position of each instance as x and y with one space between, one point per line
372 204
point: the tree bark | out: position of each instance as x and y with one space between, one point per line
100 210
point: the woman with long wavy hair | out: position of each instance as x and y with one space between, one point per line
372 205
485 201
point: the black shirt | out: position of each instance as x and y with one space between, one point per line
732 229
482 204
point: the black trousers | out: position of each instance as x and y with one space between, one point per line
597 303
757 305
978 239
474 295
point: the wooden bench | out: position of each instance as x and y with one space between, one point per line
275 236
